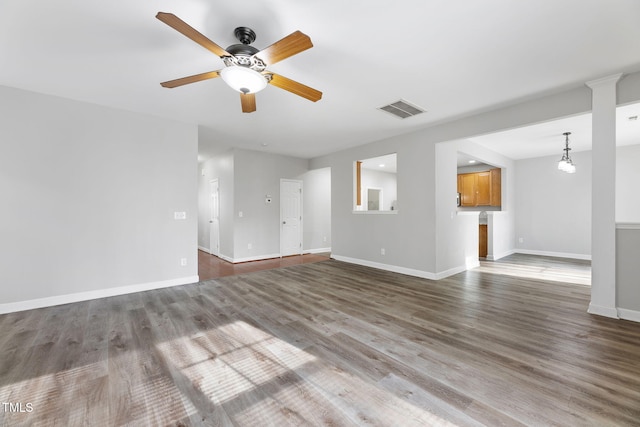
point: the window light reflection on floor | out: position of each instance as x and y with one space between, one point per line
223 375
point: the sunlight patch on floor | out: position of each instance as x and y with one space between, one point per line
527 271
241 369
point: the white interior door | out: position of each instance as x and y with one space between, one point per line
290 217
214 221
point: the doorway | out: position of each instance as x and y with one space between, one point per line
374 199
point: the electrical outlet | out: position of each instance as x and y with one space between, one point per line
521 240
250 246
383 251
179 215
240 214
324 239
183 262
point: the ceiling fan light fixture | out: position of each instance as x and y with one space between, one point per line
243 79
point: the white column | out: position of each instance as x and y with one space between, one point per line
603 201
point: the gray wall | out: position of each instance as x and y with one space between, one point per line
553 207
88 197
409 236
385 181
628 232
457 242
628 271
221 168
258 174
317 210
406 235
246 177
627 179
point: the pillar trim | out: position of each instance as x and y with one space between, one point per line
603 228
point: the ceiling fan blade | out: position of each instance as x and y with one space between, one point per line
191 79
294 87
182 27
248 101
292 44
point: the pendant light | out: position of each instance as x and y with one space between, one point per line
566 164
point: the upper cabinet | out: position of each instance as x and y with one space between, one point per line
480 188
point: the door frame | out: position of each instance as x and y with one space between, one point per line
299 182
366 198
214 247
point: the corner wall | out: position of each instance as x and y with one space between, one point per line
88 201
554 207
256 175
245 178
407 234
457 229
220 167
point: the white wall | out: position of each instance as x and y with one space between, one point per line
627 179
257 175
411 233
628 232
385 181
407 234
88 200
628 271
457 237
553 207
219 167
317 210
246 177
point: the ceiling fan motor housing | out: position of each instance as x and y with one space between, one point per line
245 34
243 54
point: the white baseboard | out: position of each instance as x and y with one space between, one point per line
387 267
501 255
603 311
226 258
317 251
264 257
253 258
89 295
456 270
553 254
203 249
628 226
626 314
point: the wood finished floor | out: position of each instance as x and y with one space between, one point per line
212 267
325 343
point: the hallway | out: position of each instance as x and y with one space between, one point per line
212 267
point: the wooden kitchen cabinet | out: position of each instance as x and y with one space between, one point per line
483 189
480 188
483 242
467 184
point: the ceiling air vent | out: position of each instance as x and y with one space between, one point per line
402 109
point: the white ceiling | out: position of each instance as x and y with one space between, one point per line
547 138
387 163
453 58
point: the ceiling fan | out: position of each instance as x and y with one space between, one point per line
245 66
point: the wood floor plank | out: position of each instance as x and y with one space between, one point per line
330 343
